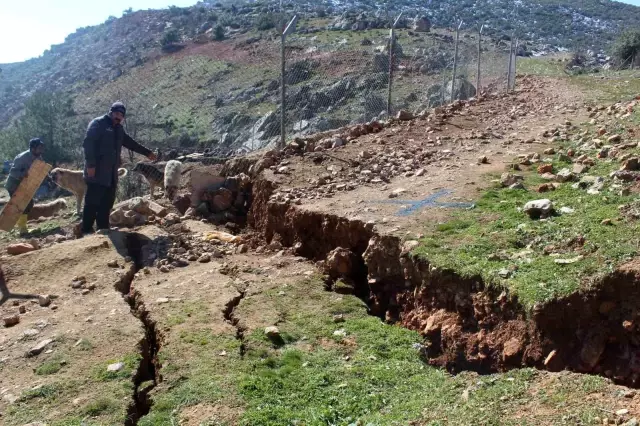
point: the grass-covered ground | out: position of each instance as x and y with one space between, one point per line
357 372
498 242
604 86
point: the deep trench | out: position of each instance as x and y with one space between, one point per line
466 324
147 375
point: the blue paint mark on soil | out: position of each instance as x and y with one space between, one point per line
430 201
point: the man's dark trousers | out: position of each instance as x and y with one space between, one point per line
98 202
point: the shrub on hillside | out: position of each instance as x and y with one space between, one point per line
218 33
265 21
626 49
169 37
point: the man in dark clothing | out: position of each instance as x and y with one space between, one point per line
19 170
102 147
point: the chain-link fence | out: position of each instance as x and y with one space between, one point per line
223 92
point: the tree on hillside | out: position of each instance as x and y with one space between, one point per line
49 116
627 48
218 33
170 37
265 21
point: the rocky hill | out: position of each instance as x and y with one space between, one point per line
187 70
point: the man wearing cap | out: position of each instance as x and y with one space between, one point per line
19 170
102 147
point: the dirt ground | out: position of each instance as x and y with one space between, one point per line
256 335
87 328
511 125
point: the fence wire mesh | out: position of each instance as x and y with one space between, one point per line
225 95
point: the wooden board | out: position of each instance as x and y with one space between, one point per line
25 193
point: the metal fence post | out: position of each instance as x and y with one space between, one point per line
282 91
291 27
510 62
392 48
515 66
478 91
455 64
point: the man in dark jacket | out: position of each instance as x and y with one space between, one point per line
102 147
19 170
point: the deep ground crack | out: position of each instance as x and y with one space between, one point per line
230 317
147 375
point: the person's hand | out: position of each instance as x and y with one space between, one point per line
91 172
152 157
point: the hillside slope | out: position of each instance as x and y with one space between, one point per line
194 89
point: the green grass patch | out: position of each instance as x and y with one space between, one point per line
370 373
51 366
496 236
100 406
130 362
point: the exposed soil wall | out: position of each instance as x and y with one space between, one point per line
466 324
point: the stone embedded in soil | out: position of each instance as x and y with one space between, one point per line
580 168
10 398
504 273
44 300
397 192
30 332
22 309
114 368
538 208
340 333
404 115
614 139
631 164
205 258
20 248
509 179
10 321
606 307
39 347
112 264
592 349
564 175
545 168
338 318
339 262
162 300
272 332
511 349
632 422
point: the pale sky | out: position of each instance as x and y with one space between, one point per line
29 27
